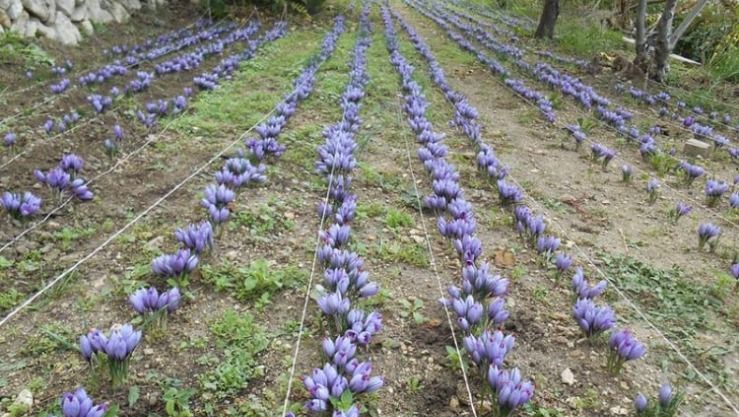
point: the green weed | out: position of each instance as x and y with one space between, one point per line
241 341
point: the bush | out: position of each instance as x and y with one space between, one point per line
222 8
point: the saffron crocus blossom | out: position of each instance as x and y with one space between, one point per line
9 140
690 172
562 262
681 209
653 187
489 349
547 245
626 172
79 189
175 267
601 152
734 270
509 193
362 326
48 126
149 302
196 237
217 199
640 404
623 348
239 172
734 201
118 132
112 351
708 233
79 404
111 148
714 190
20 206
510 389
593 319
582 289
71 164
56 179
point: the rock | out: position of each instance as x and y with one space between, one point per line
131 5
86 27
5 4
66 6
45 10
79 14
4 20
43 30
695 147
118 12
66 31
619 411
454 403
96 13
15 9
567 376
24 398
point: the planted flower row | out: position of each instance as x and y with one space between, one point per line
338 386
479 304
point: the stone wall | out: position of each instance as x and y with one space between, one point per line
65 20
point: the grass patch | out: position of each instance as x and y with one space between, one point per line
254 90
407 253
241 341
256 282
397 219
263 221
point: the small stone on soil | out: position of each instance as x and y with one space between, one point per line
567 376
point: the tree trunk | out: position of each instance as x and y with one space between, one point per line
662 49
548 19
642 59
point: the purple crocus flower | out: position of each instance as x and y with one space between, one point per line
714 190
681 209
623 347
626 172
563 262
592 319
708 233
653 187
512 391
80 405
20 206
734 201
9 140
734 270
640 403
196 237
71 164
118 132
665 395
547 245
146 301
175 265
509 193
582 289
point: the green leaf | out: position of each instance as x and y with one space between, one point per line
133 395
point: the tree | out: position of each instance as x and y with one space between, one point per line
653 50
548 19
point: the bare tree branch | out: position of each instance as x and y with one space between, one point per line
694 12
